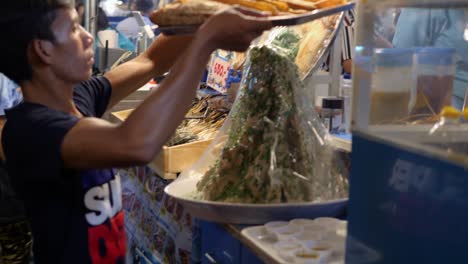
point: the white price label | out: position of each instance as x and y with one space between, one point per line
218 74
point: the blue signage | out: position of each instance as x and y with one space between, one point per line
405 206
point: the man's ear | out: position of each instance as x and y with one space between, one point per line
43 50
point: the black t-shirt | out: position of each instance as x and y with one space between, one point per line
76 215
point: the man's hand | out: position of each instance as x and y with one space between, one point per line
232 30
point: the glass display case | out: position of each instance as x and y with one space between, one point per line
408 185
411 60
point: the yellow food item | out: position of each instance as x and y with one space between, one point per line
308 255
329 3
186 12
301 4
280 5
258 5
297 11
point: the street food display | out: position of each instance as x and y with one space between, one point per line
270 152
272 156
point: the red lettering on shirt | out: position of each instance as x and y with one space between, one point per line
108 242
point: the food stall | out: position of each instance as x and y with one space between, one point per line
407 182
160 224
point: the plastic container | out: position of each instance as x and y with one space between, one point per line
434 70
332 114
288 232
303 222
346 91
287 249
324 248
329 223
393 87
309 238
272 227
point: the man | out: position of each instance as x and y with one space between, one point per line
129 26
347 42
59 153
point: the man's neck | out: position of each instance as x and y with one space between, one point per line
51 92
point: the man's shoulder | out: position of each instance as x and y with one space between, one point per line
29 118
26 111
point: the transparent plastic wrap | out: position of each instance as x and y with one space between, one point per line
313 44
273 147
272 159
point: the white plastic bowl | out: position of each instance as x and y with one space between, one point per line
286 249
330 223
308 239
303 222
271 227
288 232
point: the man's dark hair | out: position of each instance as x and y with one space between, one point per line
21 21
144 6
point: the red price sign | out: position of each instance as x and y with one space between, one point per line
219 69
218 74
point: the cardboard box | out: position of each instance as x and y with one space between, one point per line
171 160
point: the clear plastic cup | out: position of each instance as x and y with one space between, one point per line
434 70
393 86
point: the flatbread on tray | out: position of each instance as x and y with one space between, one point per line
189 13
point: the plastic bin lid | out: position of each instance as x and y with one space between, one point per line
363 62
393 57
435 55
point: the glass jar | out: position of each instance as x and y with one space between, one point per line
332 114
393 86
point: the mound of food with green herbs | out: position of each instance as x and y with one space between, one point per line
263 160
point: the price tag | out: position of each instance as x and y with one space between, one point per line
218 73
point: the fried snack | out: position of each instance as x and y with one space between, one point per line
186 13
257 5
280 5
301 4
297 11
329 3
311 45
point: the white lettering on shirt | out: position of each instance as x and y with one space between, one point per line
98 200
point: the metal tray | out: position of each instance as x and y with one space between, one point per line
237 213
321 57
289 20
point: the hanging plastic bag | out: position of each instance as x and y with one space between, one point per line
273 147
